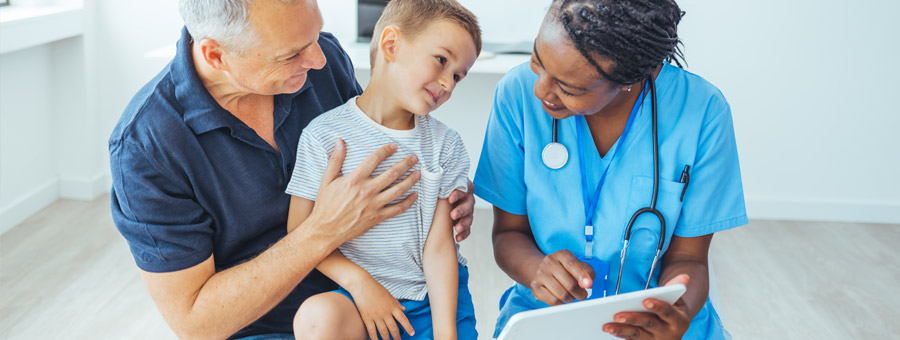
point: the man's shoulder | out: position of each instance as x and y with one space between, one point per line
152 114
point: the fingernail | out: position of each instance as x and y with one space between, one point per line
649 304
338 145
394 147
586 281
620 319
607 329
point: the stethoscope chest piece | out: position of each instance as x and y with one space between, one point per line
555 155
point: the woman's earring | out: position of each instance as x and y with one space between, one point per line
627 89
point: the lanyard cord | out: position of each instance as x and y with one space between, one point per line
590 202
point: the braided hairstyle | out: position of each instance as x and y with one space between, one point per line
637 35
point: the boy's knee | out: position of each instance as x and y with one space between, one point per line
319 317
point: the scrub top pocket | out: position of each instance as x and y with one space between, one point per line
646 229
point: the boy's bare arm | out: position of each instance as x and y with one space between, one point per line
442 272
337 267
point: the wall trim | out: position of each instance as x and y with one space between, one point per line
27 205
823 210
85 189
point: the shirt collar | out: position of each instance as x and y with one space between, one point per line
201 111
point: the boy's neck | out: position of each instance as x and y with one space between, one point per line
383 109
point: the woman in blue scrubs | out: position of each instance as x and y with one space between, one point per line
590 69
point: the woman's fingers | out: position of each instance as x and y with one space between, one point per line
651 323
664 311
570 286
559 282
626 331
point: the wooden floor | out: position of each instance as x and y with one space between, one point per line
66 273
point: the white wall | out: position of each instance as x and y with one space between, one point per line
59 101
811 85
28 178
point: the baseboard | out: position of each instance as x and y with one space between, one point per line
823 210
27 205
84 189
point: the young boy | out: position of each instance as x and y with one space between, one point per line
420 50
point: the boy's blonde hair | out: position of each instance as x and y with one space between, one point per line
412 17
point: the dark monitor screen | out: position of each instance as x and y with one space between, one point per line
368 12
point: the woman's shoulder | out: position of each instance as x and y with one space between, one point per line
519 79
692 89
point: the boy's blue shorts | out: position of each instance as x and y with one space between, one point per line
419 312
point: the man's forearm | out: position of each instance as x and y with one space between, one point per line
232 299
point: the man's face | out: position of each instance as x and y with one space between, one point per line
286 49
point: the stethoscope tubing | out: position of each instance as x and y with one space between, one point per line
652 208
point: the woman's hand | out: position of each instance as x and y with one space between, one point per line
378 310
663 321
562 278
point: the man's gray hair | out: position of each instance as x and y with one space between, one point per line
225 21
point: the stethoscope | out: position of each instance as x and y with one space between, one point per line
555 155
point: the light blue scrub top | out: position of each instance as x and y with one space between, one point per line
694 128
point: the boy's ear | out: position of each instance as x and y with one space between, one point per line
390 39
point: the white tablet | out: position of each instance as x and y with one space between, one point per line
582 320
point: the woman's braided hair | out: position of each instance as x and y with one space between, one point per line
637 35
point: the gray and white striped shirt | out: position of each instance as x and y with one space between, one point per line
391 251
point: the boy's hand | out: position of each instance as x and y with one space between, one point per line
463 205
378 310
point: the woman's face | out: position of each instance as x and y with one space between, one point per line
568 85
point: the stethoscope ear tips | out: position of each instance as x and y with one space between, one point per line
555 155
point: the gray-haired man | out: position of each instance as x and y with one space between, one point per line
202 154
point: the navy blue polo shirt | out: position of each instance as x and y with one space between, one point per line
190 180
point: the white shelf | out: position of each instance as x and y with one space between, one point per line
22 27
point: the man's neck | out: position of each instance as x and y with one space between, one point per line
380 105
229 96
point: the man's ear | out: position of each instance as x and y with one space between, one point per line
389 43
213 54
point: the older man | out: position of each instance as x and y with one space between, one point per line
202 154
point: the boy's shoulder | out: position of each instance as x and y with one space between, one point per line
331 121
437 129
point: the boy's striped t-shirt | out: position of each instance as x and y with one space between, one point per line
391 251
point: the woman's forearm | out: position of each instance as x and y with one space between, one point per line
514 248
689 255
